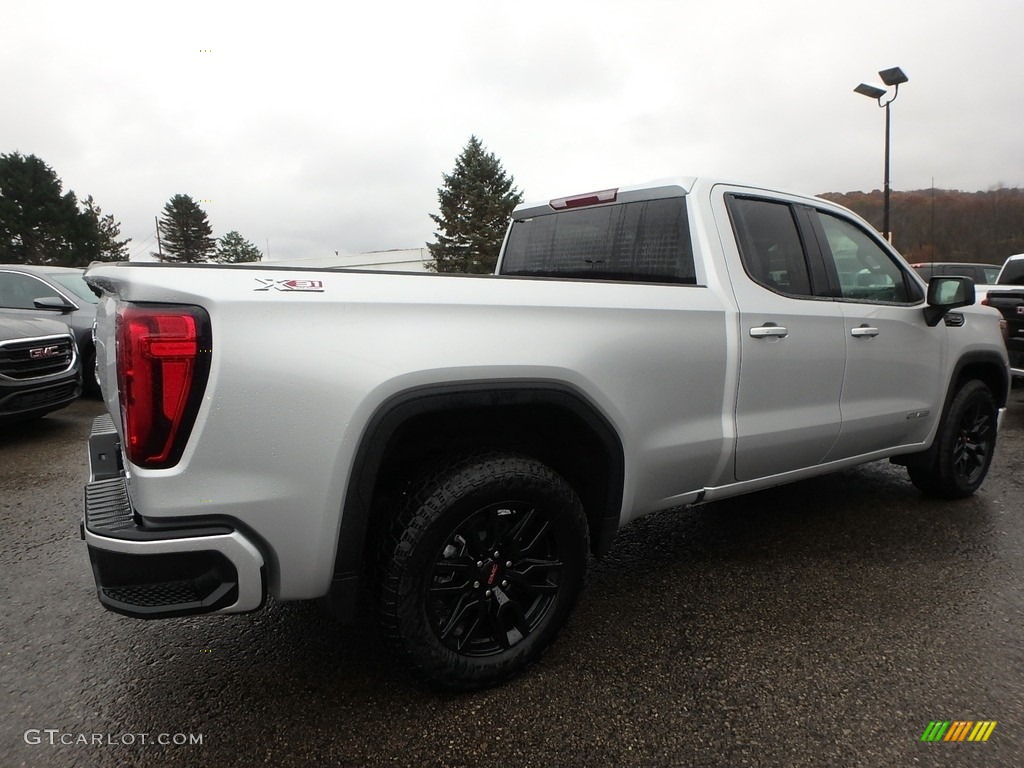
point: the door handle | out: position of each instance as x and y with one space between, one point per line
864 331
769 332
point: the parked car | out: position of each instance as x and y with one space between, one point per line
55 293
40 370
981 274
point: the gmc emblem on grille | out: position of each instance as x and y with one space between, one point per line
41 353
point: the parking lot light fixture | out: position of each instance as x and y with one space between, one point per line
893 77
870 91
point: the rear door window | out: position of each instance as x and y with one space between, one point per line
644 241
770 245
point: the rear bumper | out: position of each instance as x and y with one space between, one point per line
150 572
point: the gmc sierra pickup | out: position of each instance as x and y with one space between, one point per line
456 446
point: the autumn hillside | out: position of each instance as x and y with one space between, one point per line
947 225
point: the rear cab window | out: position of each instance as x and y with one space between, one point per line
639 241
1012 272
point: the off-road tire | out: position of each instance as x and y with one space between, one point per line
964 445
480 569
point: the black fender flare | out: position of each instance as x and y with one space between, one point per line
436 398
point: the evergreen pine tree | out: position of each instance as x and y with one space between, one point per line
41 224
476 202
235 249
108 230
186 235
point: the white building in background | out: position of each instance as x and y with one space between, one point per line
398 260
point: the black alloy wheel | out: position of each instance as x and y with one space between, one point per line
495 579
975 439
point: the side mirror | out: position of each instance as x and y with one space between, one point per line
55 303
945 294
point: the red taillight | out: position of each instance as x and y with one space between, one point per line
163 359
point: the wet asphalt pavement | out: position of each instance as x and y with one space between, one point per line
821 624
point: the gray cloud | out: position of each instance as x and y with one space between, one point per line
323 128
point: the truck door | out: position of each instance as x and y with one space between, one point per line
891 389
792 350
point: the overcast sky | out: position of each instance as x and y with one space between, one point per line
322 127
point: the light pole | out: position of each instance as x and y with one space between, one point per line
891 77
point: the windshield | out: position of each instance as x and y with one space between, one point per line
73 282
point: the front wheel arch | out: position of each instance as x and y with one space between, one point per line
964 445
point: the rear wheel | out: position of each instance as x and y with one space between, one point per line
481 569
964 445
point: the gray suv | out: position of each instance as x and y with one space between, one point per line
57 293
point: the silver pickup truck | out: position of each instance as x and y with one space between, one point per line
456 447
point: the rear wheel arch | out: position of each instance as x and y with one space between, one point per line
552 422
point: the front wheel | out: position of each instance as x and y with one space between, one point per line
964 445
481 569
